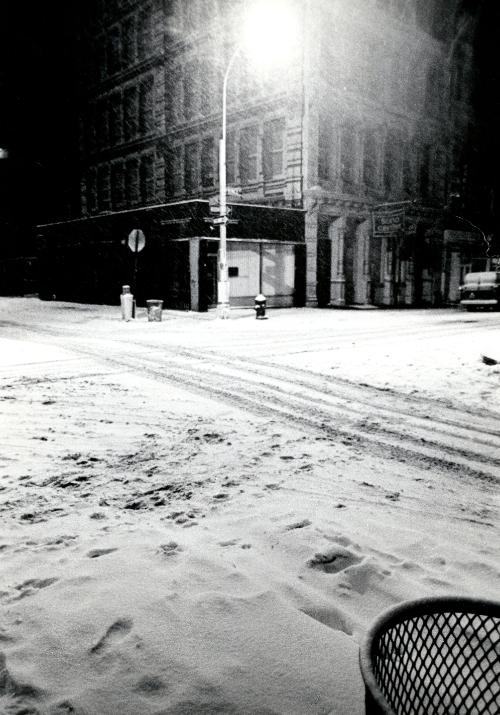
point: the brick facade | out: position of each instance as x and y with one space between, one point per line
373 109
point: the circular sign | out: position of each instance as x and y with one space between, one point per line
136 240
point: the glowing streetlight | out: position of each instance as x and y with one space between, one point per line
270 31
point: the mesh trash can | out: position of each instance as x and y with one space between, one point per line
154 308
437 656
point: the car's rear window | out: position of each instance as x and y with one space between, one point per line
482 277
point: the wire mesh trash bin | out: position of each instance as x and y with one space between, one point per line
154 308
437 656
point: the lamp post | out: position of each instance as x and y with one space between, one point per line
223 278
268 33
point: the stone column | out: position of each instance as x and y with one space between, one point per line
311 235
337 276
194 273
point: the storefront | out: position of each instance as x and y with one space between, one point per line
88 260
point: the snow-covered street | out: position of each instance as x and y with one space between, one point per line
205 516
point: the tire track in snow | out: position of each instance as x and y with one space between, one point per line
331 405
427 443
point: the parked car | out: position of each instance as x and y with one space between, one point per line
481 290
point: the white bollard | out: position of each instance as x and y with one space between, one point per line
127 303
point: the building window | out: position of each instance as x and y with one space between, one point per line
177 173
248 154
173 171
146 106
101 52
114 49
173 95
190 12
117 185
131 111
207 95
91 191
131 182
370 159
102 121
230 158
191 167
90 127
391 161
208 162
324 143
434 90
348 155
103 188
458 74
115 120
424 170
129 41
145 34
273 148
190 89
408 178
147 178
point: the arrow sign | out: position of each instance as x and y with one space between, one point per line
136 240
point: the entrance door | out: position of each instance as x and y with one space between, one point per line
208 293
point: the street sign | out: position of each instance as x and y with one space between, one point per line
136 240
216 220
388 223
215 209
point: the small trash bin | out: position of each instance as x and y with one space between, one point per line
154 308
434 655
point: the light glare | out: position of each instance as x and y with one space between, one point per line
271 31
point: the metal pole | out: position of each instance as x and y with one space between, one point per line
223 279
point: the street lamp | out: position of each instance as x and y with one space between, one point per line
270 29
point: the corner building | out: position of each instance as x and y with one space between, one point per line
339 163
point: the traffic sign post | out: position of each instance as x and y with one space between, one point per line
136 242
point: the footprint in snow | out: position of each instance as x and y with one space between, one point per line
170 549
298 525
116 632
96 553
333 560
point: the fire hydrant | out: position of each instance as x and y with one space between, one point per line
127 303
260 306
